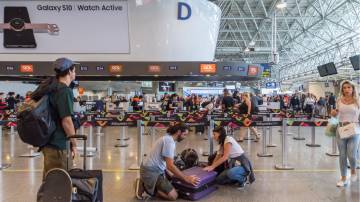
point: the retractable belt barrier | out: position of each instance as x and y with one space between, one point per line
2 165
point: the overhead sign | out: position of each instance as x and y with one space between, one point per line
266 70
154 68
182 6
208 68
173 67
253 70
227 68
100 68
65 26
26 68
115 68
271 85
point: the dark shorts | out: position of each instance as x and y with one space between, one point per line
163 185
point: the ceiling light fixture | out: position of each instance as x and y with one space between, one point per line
247 50
282 4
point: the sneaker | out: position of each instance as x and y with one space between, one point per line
241 186
354 178
342 183
139 189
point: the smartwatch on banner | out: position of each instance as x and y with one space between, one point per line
18 25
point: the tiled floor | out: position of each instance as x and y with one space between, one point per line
313 179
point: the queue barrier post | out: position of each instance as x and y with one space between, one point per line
90 151
210 140
122 138
271 144
334 151
313 144
206 137
122 133
264 152
140 147
299 135
284 149
2 165
98 131
12 130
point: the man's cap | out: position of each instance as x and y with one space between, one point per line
63 64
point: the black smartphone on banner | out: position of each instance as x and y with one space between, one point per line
17 16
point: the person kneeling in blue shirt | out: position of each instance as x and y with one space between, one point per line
153 181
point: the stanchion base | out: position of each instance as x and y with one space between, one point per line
205 154
30 155
205 138
134 167
283 167
264 155
332 154
88 155
299 138
313 145
271 145
4 166
121 145
127 138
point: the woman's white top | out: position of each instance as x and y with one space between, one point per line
235 150
348 113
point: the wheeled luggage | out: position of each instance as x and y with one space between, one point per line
204 188
88 183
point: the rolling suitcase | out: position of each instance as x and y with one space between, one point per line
83 179
204 188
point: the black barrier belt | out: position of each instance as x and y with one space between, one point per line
307 123
162 124
234 124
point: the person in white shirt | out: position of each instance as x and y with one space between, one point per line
236 167
348 111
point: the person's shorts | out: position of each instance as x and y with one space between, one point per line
163 185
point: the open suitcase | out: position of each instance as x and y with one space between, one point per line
204 188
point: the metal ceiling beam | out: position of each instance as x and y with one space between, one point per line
268 18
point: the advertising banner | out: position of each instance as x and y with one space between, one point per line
64 27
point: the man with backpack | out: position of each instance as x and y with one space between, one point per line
61 99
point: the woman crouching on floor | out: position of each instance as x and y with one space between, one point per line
230 161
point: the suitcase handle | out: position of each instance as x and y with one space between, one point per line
82 137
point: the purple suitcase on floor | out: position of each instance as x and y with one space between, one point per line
204 188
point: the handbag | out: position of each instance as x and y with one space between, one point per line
348 130
331 127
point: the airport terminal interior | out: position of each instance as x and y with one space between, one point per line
150 90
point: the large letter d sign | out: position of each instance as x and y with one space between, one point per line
182 5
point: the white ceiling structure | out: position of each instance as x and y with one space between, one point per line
309 33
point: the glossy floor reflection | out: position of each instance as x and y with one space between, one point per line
313 179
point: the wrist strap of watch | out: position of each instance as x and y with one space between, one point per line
43 28
4 26
38 27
